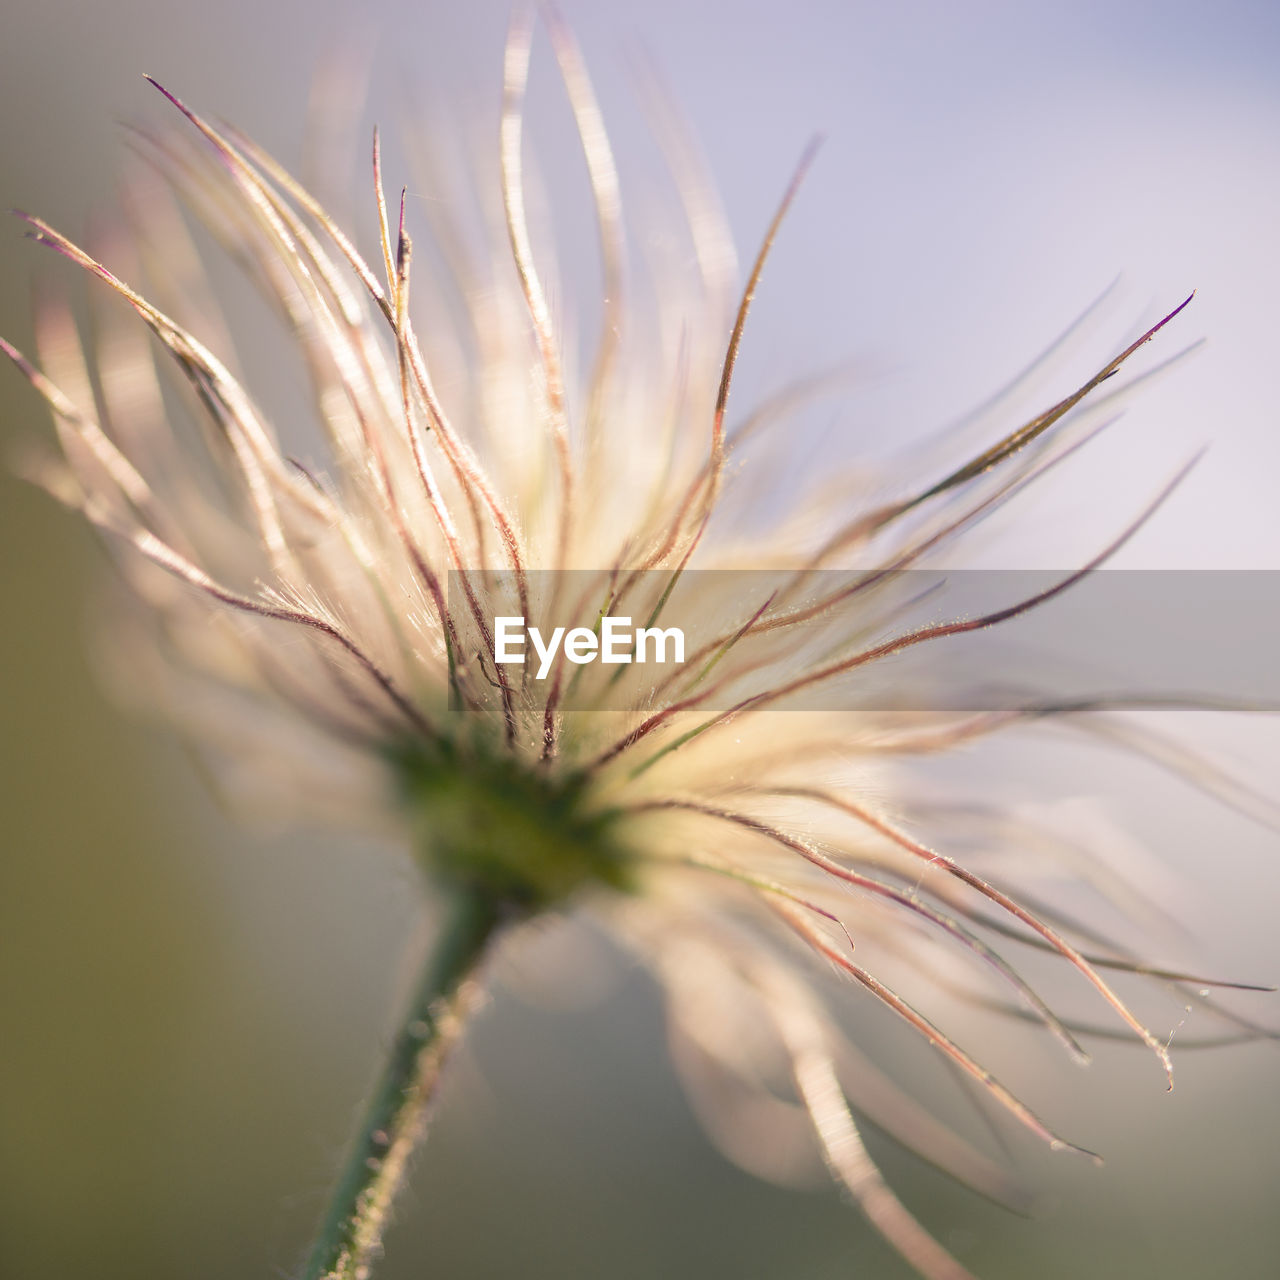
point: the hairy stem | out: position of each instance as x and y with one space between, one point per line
350 1237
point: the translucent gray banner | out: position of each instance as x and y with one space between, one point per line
915 640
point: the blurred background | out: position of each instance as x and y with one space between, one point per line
192 1009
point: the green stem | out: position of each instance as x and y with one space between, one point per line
350 1237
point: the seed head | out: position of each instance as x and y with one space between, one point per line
355 613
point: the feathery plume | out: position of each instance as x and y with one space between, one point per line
375 616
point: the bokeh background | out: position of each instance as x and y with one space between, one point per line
190 1010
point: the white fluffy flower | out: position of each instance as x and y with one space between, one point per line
330 631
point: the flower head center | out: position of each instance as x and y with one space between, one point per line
506 829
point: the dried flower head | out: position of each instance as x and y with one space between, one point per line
338 633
